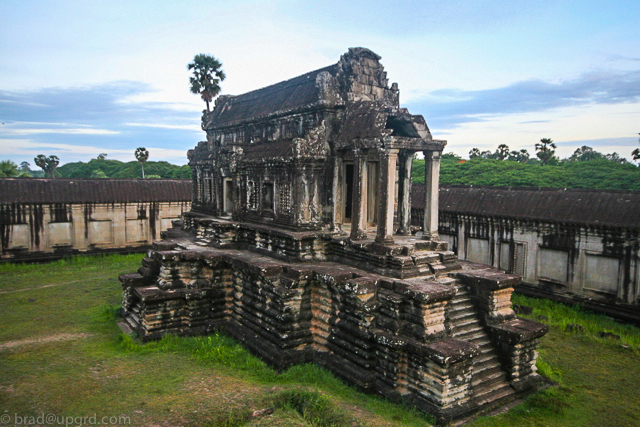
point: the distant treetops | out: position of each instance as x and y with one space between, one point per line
48 164
546 154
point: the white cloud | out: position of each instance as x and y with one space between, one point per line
19 149
69 131
602 126
166 126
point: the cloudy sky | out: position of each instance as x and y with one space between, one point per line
79 78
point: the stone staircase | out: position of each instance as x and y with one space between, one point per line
489 382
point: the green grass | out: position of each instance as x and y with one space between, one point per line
598 377
82 364
560 315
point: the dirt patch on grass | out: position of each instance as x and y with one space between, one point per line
42 340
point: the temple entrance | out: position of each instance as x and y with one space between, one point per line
228 196
347 190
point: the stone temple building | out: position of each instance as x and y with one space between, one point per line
299 245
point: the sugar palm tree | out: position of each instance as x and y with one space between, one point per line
502 152
545 150
207 75
142 155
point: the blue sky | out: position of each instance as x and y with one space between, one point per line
79 78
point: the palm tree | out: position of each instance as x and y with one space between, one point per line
207 74
48 164
502 152
142 155
475 152
636 153
546 150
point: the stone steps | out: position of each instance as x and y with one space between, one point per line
489 381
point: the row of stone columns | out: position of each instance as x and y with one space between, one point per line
388 162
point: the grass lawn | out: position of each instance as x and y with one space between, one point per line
61 353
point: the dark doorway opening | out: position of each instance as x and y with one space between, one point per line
348 192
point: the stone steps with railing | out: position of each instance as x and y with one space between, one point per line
489 382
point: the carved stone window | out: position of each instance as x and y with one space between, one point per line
284 204
267 196
252 196
208 189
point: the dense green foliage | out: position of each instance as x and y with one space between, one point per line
10 169
597 173
96 168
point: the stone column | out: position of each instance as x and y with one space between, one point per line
337 198
432 185
387 196
404 194
359 202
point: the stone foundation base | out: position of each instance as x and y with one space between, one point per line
444 344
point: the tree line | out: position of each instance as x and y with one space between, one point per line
585 168
546 154
99 167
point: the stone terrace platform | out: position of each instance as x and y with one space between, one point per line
436 334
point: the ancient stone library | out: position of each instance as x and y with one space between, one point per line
299 244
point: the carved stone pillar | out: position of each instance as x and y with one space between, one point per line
359 213
404 194
337 199
387 193
432 185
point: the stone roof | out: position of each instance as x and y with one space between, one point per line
61 190
358 75
587 207
289 95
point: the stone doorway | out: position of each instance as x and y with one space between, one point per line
347 190
228 196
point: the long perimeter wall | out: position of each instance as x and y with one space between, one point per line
576 246
43 219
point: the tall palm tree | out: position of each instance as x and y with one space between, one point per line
502 152
546 150
207 75
142 155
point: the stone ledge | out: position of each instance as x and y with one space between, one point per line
425 292
518 330
489 279
133 280
154 294
164 246
446 352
